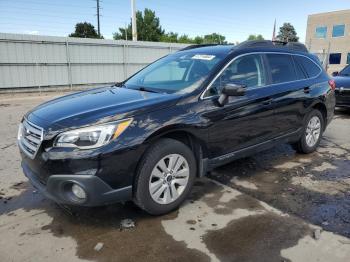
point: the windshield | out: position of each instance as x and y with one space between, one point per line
177 73
345 71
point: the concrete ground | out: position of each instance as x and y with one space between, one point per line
274 206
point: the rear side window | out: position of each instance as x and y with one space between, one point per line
311 69
282 68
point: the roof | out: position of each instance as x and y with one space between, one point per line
259 44
331 13
290 46
208 49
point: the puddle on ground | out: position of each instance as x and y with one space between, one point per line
256 238
315 187
211 208
88 226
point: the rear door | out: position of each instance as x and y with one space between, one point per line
292 89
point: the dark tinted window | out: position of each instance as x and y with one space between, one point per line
247 70
308 66
301 73
282 68
334 59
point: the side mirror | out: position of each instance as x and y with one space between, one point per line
231 90
336 73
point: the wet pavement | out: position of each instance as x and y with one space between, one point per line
274 206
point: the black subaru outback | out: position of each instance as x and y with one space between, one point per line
147 139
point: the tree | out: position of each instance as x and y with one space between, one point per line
85 30
287 33
185 39
214 38
148 27
170 37
255 37
198 40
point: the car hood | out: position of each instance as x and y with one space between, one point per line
342 81
97 106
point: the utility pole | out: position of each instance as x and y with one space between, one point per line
98 18
133 17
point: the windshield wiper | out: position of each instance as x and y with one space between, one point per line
119 84
147 90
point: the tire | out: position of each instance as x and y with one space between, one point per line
304 145
150 177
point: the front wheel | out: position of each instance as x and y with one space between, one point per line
312 133
165 177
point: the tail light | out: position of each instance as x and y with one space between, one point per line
332 84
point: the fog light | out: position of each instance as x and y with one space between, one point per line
78 191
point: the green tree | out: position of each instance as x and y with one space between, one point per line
170 37
255 37
198 40
122 32
287 33
85 30
148 27
214 38
185 39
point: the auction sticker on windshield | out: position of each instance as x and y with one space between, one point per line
204 57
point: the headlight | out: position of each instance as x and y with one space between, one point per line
92 137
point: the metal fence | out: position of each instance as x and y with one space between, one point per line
28 61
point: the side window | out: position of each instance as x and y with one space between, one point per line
299 69
309 67
247 70
282 68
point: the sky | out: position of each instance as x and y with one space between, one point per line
235 19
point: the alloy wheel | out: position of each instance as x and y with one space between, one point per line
169 179
313 131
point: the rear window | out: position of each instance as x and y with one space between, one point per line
311 69
282 68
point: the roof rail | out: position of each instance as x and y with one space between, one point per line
273 44
255 44
196 46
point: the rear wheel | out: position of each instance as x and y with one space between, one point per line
165 177
312 133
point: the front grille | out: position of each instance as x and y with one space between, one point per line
30 137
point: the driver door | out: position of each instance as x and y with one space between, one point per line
246 120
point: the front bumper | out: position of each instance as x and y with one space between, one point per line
58 187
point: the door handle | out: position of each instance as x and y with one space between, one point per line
307 90
267 102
